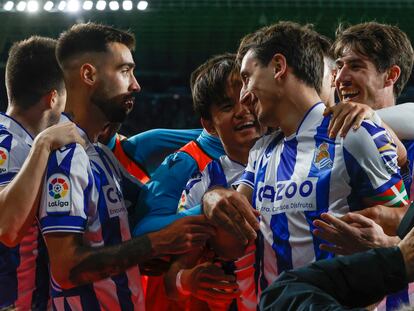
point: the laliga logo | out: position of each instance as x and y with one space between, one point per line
3 157
58 189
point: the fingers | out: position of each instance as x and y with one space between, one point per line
245 209
359 219
333 249
215 295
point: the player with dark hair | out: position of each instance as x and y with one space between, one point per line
293 180
83 211
36 94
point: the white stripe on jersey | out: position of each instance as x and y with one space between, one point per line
97 209
297 178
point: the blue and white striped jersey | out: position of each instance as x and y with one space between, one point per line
24 277
221 172
86 192
226 173
295 179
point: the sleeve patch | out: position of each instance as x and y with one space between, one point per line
59 198
4 160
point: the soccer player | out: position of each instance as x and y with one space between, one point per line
237 127
36 94
291 180
83 211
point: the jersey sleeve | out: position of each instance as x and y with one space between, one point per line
12 156
66 191
151 147
247 177
194 191
371 160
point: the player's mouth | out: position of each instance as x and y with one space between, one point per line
129 102
349 94
246 125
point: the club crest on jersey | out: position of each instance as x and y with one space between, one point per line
4 160
322 157
59 194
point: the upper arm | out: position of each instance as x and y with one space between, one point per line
64 207
371 160
64 250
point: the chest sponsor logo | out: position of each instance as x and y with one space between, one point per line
59 194
322 157
287 196
4 160
114 201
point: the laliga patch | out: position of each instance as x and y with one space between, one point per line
59 198
4 160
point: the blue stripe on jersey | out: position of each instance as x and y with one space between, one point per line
396 301
40 297
248 178
9 261
279 222
111 233
7 178
86 293
322 185
216 174
71 223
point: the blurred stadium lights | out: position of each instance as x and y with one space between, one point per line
71 6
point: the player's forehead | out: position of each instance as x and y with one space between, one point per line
351 55
118 54
249 62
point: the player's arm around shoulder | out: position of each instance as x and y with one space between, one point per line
19 197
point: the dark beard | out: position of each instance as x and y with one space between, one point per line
112 108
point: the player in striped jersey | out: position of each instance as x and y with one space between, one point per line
237 127
83 211
37 95
293 179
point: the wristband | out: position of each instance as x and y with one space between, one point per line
178 284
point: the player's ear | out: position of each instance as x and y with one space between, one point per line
50 98
279 65
208 126
88 74
392 76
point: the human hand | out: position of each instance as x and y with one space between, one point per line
232 211
351 234
208 282
183 235
59 135
345 115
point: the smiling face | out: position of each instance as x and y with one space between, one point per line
116 86
358 79
259 81
235 123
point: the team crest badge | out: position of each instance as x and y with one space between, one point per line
4 160
322 157
59 194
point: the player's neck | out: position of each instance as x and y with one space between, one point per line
294 108
84 114
33 119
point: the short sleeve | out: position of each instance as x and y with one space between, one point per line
371 160
66 190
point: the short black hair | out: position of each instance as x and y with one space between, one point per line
32 71
299 44
209 82
385 45
90 37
